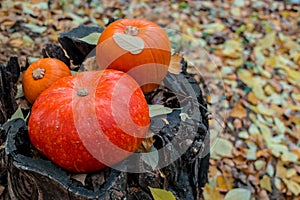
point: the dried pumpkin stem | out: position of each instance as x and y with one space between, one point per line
82 92
38 73
131 30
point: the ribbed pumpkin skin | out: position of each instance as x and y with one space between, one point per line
155 57
80 132
54 70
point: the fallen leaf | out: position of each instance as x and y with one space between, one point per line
156 110
79 177
259 164
292 186
213 28
277 183
238 111
252 98
253 130
291 172
265 110
265 183
175 66
223 147
267 41
211 193
279 126
288 156
133 44
17 114
91 38
238 194
225 182
35 28
160 194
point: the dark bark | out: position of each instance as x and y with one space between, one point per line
55 51
8 103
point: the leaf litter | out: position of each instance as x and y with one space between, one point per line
248 53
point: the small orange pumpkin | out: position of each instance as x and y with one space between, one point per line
139 47
41 74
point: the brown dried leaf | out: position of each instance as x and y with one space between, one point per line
79 177
133 44
175 66
147 143
238 111
252 98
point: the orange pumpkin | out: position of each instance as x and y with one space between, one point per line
89 121
41 74
139 47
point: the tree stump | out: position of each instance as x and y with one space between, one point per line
29 175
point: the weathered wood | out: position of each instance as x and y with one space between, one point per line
14 68
8 103
76 49
55 51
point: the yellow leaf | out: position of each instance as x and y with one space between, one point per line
292 186
291 172
280 170
160 194
225 184
289 157
279 126
235 62
265 183
267 41
214 28
233 48
259 164
211 193
259 92
269 89
264 110
293 75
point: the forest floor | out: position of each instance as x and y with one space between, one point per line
248 53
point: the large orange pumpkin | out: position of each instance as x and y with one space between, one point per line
88 121
41 74
138 47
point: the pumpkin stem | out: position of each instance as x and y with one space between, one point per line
38 73
131 30
82 92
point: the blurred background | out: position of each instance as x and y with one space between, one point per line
246 51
